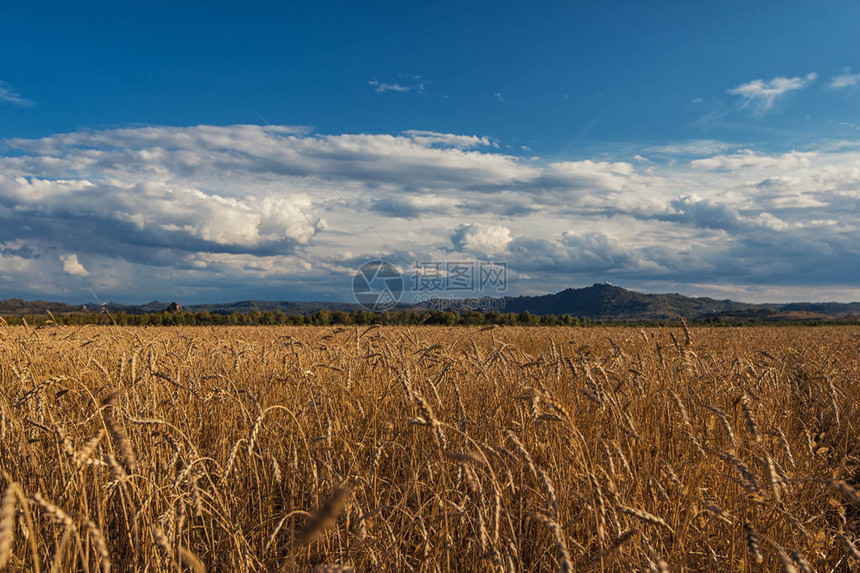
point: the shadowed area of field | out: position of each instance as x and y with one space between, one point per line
429 449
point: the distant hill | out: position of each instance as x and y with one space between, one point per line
609 302
597 302
18 307
601 301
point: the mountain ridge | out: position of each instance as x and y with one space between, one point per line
596 302
610 302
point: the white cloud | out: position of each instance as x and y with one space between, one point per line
449 139
844 81
8 94
383 87
216 213
750 159
482 240
694 147
72 266
762 94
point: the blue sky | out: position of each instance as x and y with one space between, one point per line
266 150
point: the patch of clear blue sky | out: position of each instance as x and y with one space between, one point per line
556 66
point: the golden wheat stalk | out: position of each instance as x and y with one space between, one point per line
565 564
643 515
753 545
749 417
430 416
99 543
851 550
7 524
521 450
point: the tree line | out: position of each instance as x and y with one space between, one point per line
360 317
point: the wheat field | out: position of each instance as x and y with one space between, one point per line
429 449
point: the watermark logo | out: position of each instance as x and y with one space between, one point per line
459 276
441 285
377 285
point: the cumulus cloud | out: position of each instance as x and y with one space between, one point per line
704 213
164 213
72 266
574 253
762 94
411 207
217 213
482 240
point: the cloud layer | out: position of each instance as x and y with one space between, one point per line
218 213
